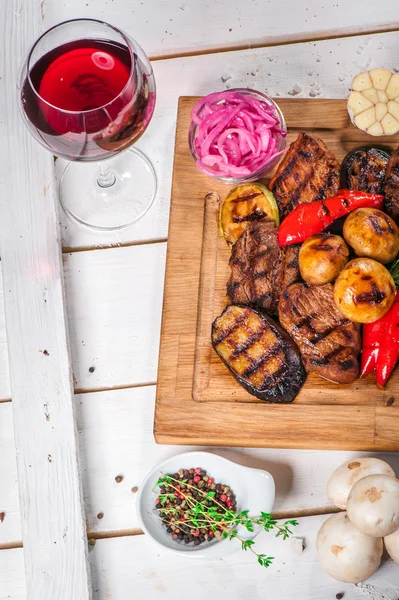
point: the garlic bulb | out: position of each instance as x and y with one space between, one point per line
373 103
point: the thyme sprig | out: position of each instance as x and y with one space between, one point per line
212 514
393 268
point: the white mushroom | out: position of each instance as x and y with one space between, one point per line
346 553
373 505
392 545
343 478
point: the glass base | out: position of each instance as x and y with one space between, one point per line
109 207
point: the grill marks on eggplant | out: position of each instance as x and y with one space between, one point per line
308 172
391 187
259 354
329 343
260 269
364 170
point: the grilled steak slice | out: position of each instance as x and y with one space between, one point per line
308 172
260 269
329 343
364 170
260 355
391 186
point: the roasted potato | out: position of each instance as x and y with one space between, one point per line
322 257
364 290
372 233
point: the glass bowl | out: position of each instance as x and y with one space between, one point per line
269 165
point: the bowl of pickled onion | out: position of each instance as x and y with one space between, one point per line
237 135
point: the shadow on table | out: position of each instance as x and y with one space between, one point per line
281 472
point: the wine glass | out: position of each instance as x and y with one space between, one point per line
87 93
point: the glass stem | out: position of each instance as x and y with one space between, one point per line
106 177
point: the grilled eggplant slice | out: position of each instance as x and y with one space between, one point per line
364 170
391 187
260 355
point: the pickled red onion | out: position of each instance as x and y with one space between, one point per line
236 135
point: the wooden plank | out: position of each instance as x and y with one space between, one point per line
323 414
5 392
114 303
12 576
53 526
135 563
113 300
115 438
10 528
186 26
320 69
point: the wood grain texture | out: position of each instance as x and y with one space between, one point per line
136 564
320 69
53 525
114 303
115 438
224 413
5 392
113 300
186 26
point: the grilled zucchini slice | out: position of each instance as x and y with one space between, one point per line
246 203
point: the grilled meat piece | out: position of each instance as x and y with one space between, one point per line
308 172
329 343
259 354
391 186
364 170
260 269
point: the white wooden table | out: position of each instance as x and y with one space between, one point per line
114 284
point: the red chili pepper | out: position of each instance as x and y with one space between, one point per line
308 219
381 345
371 347
389 345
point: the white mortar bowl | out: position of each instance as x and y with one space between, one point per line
254 490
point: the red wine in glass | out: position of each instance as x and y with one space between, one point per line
86 100
87 93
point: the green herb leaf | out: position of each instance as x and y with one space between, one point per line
393 268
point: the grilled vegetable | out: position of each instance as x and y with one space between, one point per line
260 355
371 346
308 219
364 170
381 345
364 290
370 232
391 186
322 257
373 103
246 203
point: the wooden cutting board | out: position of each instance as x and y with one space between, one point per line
198 401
